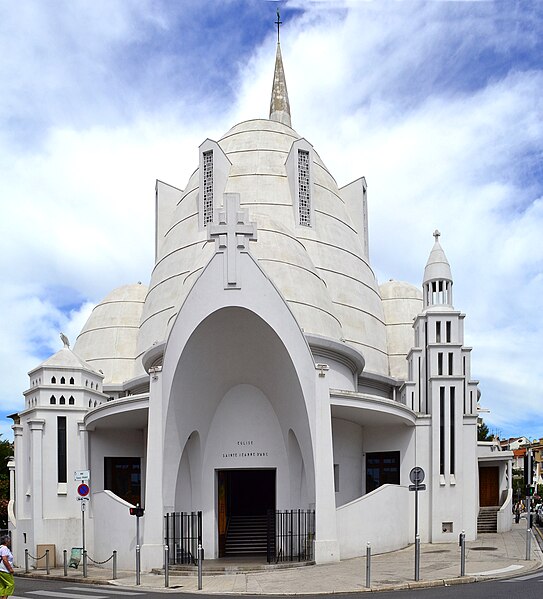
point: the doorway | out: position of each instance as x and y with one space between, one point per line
489 486
244 498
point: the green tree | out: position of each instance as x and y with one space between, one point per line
483 434
6 451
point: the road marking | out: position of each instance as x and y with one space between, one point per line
527 577
108 591
500 571
65 595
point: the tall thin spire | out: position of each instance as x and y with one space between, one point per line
279 105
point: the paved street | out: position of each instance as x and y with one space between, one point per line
491 556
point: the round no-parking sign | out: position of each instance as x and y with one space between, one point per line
83 490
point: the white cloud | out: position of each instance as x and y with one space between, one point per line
438 108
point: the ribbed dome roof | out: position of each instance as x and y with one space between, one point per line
401 303
108 339
321 271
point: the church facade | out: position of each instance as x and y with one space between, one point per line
262 370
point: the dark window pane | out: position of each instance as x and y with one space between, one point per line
382 468
122 477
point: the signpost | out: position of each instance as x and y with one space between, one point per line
416 476
83 490
138 512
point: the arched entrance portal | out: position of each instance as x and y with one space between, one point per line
244 498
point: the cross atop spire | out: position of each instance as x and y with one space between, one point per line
279 105
437 235
278 23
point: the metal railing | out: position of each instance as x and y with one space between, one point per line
182 535
290 535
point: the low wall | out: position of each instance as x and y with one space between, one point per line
505 513
381 517
116 530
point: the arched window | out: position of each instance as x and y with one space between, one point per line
92 385
71 401
53 380
72 382
94 404
53 400
62 381
90 403
86 383
62 400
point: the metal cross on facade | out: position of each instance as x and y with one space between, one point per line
231 233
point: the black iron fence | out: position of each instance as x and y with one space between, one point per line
182 535
290 535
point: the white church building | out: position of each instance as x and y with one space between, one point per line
264 380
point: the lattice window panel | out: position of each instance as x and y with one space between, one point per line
208 187
304 197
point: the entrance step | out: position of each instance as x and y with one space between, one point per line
246 535
231 565
487 521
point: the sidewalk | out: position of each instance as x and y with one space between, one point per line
491 556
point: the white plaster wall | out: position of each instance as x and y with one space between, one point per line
381 518
339 376
392 438
244 433
115 443
115 530
348 448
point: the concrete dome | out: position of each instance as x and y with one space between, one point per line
108 339
322 271
401 303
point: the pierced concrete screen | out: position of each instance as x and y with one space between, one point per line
304 197
208 188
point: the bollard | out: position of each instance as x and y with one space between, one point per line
47 561
462 553
368 565
138 566
65 558
84 563
26 562
417 558
166 566
200 565
114 565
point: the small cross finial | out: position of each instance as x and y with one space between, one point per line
278 23
436 235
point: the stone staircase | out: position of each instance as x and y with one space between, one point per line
247 535
487 521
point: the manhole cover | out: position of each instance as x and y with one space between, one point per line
483 548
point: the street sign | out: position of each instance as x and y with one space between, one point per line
83 490
416 476
417 487
80 475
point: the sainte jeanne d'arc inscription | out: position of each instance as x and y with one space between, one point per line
245 451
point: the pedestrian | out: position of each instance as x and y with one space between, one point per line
7 584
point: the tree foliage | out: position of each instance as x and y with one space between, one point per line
483 434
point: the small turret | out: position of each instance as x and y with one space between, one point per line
437 283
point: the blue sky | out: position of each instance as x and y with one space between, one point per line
438 104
